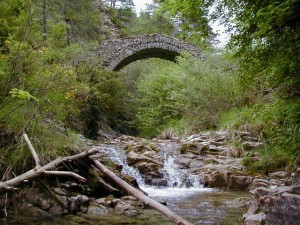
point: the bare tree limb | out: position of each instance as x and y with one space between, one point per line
38 171
65 173
5 211
32 150
139 195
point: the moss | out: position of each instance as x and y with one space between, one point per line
153 147
185 147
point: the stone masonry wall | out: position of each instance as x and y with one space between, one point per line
118 53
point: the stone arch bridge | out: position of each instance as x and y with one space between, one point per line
118 53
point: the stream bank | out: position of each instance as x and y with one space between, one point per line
199 177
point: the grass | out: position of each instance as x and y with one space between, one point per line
277 124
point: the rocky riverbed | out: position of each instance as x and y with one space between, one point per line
205 160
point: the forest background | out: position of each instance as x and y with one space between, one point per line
53 86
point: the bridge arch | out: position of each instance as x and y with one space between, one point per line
118 53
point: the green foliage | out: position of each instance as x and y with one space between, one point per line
185 147
266 42
211 88
106 103
150 23
21 94
41 92
192 18
123 16
156 99
187 97
277 123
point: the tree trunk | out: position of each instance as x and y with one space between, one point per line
67 21
139 195
44 21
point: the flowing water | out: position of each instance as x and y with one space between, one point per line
184 194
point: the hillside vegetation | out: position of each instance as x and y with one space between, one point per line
53 87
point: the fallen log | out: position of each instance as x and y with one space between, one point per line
46 169
139 195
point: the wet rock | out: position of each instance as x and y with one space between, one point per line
250 138
156 182
239 182
63 200
256 219
198 137
222 135
190 155
183 162
59 191
26 208
71 186
146 160
218 179
272 184
123 208
78 203
241 202
283 176
97 209
216 150
248 145
195 164
279 175
242 134
217 143
280 205
56 210
296 178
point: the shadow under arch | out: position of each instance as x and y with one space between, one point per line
146 54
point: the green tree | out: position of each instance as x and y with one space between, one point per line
150 22
156 103
266 39
192 18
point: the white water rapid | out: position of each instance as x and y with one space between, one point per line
118 156
180 183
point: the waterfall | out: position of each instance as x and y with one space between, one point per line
176 177
118 156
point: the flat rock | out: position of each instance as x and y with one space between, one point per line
256 219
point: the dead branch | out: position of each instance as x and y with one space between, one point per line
139 195
32 150
107 186
65 173
46 169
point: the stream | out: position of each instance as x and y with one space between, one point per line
184 194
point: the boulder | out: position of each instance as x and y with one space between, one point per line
239 182
26 208
97 209
256 219
277 206
279 175
183 162
296 178
249 145
195 164
218 179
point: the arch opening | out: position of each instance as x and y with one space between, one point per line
147 53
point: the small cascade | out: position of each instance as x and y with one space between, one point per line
172 174
177 178
118 156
